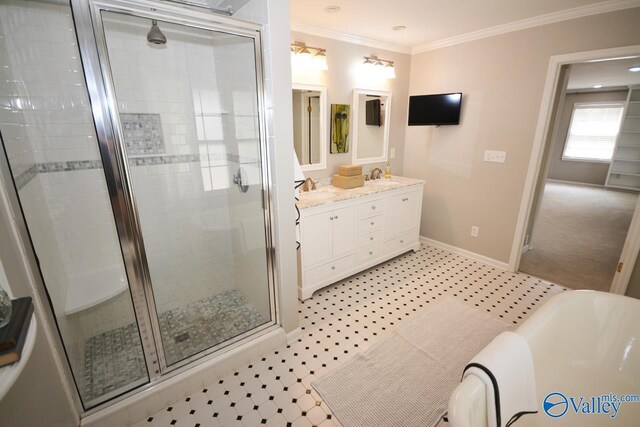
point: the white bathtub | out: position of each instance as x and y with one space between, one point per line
584 344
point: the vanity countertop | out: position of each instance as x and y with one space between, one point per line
330 194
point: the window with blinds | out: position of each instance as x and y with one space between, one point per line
593 131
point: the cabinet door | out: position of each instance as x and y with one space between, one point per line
392 215
315 238
409 209
345 231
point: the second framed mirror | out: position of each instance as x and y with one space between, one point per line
370 129
310 125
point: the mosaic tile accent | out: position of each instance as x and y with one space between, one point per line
114 359
26 176
275 389
197 326
73 165
163 160
142 133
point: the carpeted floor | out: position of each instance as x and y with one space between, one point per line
579 235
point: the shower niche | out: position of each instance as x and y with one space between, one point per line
151 255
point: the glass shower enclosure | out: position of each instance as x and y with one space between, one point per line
135 143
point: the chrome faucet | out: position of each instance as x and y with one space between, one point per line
376 173
309 185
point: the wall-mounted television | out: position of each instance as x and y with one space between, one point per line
373 116
440 109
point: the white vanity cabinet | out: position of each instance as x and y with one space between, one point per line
339 238
329 235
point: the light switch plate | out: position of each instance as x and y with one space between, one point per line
495 156
392 153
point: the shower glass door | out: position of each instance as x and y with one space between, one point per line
184 101
48 149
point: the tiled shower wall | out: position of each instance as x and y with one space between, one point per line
184 212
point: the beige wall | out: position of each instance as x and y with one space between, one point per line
502 79
38 397
586 172
344 75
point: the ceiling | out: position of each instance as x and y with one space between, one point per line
432 21
607 73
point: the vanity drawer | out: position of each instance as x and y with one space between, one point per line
330 269
372 208
371 224
370 238
396 244
370 252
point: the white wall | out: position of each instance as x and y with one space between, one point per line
345 73
502 79
274 16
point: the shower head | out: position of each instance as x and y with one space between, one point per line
155 36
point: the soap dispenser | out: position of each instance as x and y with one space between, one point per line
387 171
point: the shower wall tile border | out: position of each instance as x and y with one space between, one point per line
25 177
163 160
73 165
79 165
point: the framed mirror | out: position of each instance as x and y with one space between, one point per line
370 129
310 125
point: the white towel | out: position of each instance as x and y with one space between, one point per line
506 363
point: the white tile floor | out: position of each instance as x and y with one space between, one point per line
345 318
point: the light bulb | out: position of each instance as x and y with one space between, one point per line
320 61
389 71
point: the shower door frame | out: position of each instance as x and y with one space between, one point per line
100 85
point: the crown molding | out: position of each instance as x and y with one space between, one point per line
550 18
349 38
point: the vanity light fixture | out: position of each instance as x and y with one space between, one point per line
634 69
383 68
307 57
598 86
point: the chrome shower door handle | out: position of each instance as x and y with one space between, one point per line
238 180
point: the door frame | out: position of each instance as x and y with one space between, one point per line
629 255
100 85
536 167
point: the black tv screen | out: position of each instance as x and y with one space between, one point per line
440 109
373 116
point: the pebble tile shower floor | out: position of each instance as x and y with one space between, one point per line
114 358
341 320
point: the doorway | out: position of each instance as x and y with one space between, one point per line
588 184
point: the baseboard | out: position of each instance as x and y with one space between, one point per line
294 335
465 253
562 181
